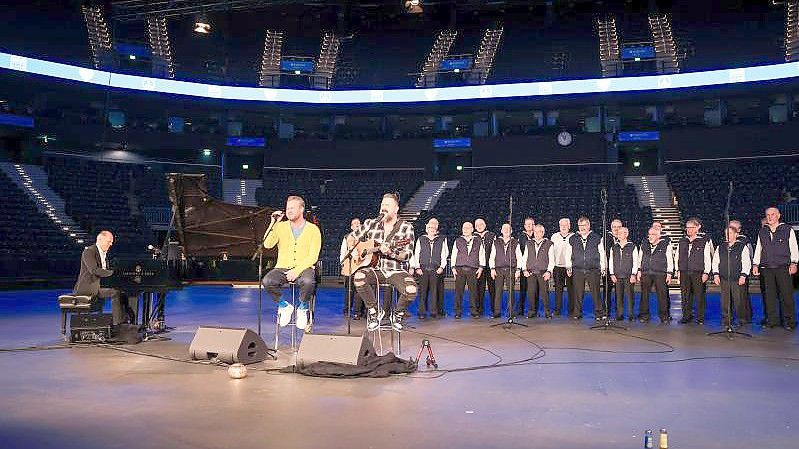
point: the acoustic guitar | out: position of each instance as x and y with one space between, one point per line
367 254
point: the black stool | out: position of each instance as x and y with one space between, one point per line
77 304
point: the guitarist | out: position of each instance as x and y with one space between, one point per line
395 239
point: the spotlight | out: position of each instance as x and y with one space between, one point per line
206 152
132 57
237 371
459 168
637 164
245 167
202 25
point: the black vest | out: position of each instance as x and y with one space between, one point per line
695 260
505 255
654 262
468 258
623 260
523 240
730 260
774 249
538 262
488 241
430 252
585 258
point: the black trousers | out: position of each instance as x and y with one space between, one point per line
520 304
485 282
732 297
467 276
779 296
537 292
560 279
692 290
123 308
355 301
593 278
624 296
503 280
400 281
428 291
275 281
658 281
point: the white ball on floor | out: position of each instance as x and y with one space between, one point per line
237 371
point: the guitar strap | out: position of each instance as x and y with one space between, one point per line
387 238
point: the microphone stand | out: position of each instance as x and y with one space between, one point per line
510 322
259 253
348 260
728 330
607 324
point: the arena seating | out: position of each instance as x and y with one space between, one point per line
30 244
701 190
545 193
337 197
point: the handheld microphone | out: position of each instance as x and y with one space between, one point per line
380 217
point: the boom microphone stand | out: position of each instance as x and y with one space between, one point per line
607 324
511 321
729 331
259 253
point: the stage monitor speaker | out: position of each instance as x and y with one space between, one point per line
227 344
333 348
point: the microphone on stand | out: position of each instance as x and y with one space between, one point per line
380 217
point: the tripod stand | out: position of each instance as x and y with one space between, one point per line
729 331
607 324
511 321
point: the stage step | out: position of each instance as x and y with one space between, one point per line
241 191
32 179
425 198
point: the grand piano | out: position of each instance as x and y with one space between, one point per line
209 233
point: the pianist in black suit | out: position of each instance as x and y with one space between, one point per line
93 266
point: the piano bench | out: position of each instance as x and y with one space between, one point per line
77 304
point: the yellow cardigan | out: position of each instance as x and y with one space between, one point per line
296 254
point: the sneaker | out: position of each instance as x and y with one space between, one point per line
373 319
302 316
396 320
284 311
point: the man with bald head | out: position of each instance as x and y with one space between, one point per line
776 256
93 267
467 260
484 279
563 255
429 262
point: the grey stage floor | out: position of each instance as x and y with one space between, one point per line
553 385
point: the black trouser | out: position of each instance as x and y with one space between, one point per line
560 279
693 292
276 280
579 278
428 287
625 295
467 276
482 282
762 282
537 291
355 301
746 309
123 308
779 296
366 281
661 290
732 296
523 297
503 280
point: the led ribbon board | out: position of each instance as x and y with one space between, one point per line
429 95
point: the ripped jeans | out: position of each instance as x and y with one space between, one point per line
366 281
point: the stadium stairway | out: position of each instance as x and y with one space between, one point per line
655 192
425 198
32 179
241 191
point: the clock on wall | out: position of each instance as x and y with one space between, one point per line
565 138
